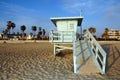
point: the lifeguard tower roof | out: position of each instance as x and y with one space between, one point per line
79 19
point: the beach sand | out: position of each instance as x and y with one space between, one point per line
36 61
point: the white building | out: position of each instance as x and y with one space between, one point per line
114 34
29 37
0 35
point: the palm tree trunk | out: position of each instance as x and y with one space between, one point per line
34 37
12 30
23 35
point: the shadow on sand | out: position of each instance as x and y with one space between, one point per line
64 53
113 54
60 54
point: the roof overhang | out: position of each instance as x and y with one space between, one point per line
79 19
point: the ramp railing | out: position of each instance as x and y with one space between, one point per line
98 52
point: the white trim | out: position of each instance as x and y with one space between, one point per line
57 18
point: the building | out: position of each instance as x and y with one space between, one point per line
114 34
30 37
1 36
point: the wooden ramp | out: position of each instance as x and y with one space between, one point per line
89 68
88 56
88 65
84 58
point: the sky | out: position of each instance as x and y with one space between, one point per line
97 13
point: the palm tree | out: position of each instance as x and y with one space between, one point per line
10 25
40 32
106 30
105 34
44 32
34 28
6 31
23 28
40 29
92 30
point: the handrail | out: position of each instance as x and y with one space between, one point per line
98 52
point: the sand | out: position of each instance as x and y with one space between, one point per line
35 61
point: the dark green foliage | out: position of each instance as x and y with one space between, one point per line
23 28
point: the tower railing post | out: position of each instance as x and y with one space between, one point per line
74 56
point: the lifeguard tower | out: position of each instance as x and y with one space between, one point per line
83 49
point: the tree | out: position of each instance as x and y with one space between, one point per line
23 28
40 29
34 28
44 32
106 31
6 31
105 34
92 30
10 25
39 33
